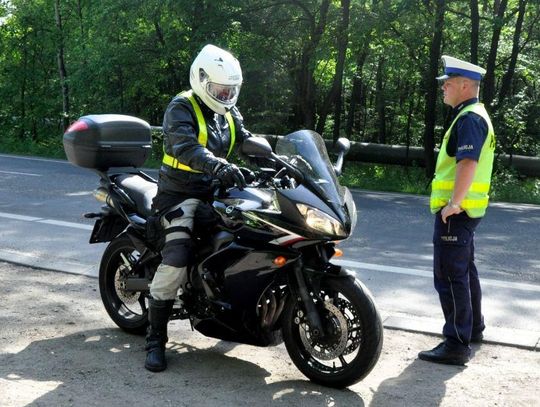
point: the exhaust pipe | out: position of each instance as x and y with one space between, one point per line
271 308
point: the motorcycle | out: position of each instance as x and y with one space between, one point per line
261 272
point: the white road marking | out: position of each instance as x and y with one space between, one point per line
342 262
66 224
20 173
46 221
49 160
429 274
18 217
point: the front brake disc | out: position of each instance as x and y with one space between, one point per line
325 351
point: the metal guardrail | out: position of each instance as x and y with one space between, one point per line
403 155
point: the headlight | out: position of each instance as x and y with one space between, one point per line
320 221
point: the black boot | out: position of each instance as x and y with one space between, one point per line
158 316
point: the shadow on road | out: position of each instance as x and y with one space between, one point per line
410 380
105 367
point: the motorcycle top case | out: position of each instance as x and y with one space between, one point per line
102 141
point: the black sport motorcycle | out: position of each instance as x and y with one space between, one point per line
261 272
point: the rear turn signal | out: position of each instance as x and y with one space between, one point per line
280 261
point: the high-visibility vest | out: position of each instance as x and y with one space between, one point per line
476 199
203 134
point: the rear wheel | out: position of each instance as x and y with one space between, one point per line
128 310
353 336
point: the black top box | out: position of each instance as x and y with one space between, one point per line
102 141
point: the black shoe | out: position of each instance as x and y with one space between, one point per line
477 338
442 353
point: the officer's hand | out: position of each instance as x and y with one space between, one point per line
230 175
448 211
248 175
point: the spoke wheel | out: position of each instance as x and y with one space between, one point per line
128 310
353 335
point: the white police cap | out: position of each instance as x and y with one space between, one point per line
457 67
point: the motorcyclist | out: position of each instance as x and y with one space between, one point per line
200 128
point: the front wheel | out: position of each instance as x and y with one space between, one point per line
353 336
128 310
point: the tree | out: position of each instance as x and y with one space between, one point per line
62 65
333 98
431 87
489 78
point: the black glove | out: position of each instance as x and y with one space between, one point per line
230 175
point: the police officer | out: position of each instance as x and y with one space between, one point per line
201 127
459 199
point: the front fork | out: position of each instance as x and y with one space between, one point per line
312 315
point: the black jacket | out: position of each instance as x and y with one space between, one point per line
180 140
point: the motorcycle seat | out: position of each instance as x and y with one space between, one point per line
140 190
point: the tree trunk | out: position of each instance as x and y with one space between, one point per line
343 45
333 99
475 30
62 66
23 87
489 79
356 93
430 112
380 104
305 83
507 78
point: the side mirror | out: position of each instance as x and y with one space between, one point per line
257 147
343 146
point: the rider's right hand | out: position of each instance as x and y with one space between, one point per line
230 175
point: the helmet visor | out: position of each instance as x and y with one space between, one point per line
225 94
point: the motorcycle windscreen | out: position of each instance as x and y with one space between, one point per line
306 150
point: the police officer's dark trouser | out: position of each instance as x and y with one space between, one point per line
456 278
169 277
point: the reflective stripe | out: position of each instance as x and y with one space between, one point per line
232 131
481 187
465 204
203 134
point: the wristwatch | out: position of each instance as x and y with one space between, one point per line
453 205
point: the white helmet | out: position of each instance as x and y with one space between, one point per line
215 76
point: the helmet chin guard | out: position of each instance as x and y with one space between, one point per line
216 77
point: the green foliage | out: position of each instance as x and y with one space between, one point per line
389 178
507 186
132 56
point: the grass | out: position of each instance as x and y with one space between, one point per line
507 186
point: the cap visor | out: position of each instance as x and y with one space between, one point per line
442 77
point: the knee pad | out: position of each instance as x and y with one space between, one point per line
177 253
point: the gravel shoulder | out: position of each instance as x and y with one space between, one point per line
59 348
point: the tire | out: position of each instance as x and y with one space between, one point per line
351 353
128 310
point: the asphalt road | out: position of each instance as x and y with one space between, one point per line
393 229
41 224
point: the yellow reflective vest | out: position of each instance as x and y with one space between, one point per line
442 187
203 134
